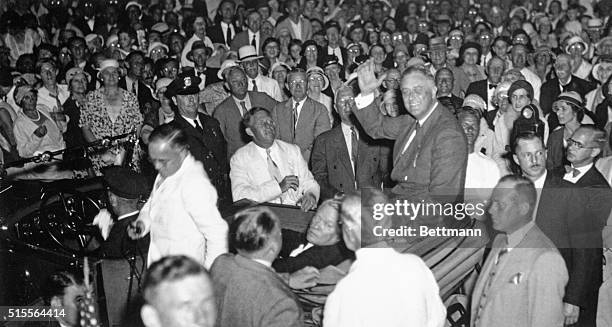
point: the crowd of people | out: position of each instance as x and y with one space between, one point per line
309 103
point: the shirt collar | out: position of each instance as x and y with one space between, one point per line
263 262
192 121
568 81
263 151
300 103
424 119
517 236
583 169
539 183
128 215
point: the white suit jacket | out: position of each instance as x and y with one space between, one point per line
183 216
252 180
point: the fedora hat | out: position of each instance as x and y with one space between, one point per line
198 45
247 53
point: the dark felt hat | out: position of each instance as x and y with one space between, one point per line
125 183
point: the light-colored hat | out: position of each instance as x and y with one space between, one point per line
225 65
247 53
574 40
515 10
318 70
133 3
475 101
161 83
155 45
571 97
415 62
276 65
160 27
112 39
21 92
597 67
73 72
106 64
595 23
543 20
607 39
91 37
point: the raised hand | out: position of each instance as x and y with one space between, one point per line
366 77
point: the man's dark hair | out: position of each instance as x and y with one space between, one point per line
43 61
527 136
246 120
133 54
175 136
252 228
169 269
56 284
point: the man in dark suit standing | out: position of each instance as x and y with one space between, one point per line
224 31
345 158
300 119
486 88
561 214
133 83
205 138
564 82
583 148
230 112
240 280
430 151
251 36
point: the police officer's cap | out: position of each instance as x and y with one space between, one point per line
184 84
125 183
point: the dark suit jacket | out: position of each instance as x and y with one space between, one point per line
119 245
215 33
145 98
563 215
230 120
331 163
556 152
210 149
489 116
316 256
242 39
433 166
210 74
343 52
250 294
313 121
480 88
550 91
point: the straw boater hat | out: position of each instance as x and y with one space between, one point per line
318 70
247 53
225 65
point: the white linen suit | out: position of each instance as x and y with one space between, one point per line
183 216
252 180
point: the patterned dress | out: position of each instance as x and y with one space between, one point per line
95 116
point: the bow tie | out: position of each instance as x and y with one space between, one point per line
569 169
492 86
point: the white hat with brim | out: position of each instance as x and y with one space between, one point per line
225 65
319 70
107 64
276 65
112 39
597 67
156 45
574 40
247 53
161 83
75 71
602 41
133 3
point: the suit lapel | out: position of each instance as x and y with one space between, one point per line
342 149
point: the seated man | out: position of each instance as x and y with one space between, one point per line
249 293
319 247
61 291
270 170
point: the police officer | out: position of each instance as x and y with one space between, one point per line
205 139
125 188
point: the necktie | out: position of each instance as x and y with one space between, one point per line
254 86
273 168
569 169
244 108
134 88
295 118
354 149
228 35
198 126
254 42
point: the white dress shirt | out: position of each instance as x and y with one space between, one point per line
192 122
268 86
247 103
539 185
481 176
489 99
337 52
224 27
45 97
252 180
299 107
297 28
348 138
405 293
569 176
257 39
421 123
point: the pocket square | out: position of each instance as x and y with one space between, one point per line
516 279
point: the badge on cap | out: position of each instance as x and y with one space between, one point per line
187 81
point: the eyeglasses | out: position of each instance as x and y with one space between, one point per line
572 142
296 83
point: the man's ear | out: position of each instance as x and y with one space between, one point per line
249 131
515 158
595 152
149 316
56 302
174 101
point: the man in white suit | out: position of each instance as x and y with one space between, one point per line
522 282
270 170
181 213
